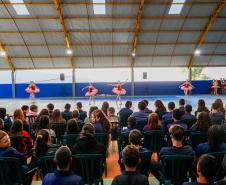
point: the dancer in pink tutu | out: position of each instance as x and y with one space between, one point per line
186 87
118 89
92 91
32 89
214 86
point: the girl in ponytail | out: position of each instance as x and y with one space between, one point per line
41 143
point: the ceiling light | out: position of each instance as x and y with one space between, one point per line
20 9
176 7
133 54
99 7
69 51
197 52
3 53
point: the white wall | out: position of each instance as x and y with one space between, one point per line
5 77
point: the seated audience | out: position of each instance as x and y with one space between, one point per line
201 107
131 124
216 114
56 117
33 110
111 115
223 181
221 105
25 109
169 115
181 105
18 115
5 117
206 170
50 108
203 123
82 113
177 114
67 114
100 122
160 108
147 110
130 159
105 107
87 143
45 124
43 112
153 122
63 175
187 115
215 141
72 127
140 115
88 119
124 113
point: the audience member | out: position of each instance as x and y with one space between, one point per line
82 113
181 105
45 124
201 107
101 123
177 114
160 108
6 119
111 115
105 107
169 115
63 175
43 112
130 159
18 115
147 110
223 181
56 117
1 124
50 108
203 122
72 127
216 114
88 119
140 115
153 122
67 114
33 110
187 115
221 105
124 113
131 124
25 109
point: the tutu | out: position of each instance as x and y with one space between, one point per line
186 88
92 93
214 87
32 91
119 92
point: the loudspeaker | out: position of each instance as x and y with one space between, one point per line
145 75
62 77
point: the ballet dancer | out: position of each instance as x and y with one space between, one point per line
118 90
215 86
92 91
32 89
186 87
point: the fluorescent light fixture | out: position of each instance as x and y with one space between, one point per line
20 9
3 53
176 7
197 52
69 51
99 7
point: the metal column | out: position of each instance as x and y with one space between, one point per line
73 82
13 85
132 81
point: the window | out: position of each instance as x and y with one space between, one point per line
20 9
99 7
176 7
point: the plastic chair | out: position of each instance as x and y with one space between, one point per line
59 129
144 166
47 165
153 140
196 138
140 124
165 123
122 141
22 144
90 167
10 172
70 140
175 168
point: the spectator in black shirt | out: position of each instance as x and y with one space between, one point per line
82 113
67 114
130 158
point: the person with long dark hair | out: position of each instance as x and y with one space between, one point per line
160 108
153 122
101 123
203 123
201 107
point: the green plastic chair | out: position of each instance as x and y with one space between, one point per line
21 142
160 113
219 158
59 129
47 165
10 172
175 168
196 138
165 123
154 140
144 166
189 122
114 130
90 167
70 140
122 141
140 124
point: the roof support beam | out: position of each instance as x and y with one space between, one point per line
8 58
137 30
66 33
208 26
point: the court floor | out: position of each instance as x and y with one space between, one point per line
12 104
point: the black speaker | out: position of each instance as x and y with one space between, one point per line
62 77
145 75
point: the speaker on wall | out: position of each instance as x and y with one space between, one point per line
145 75
62 77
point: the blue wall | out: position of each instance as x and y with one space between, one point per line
141 88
